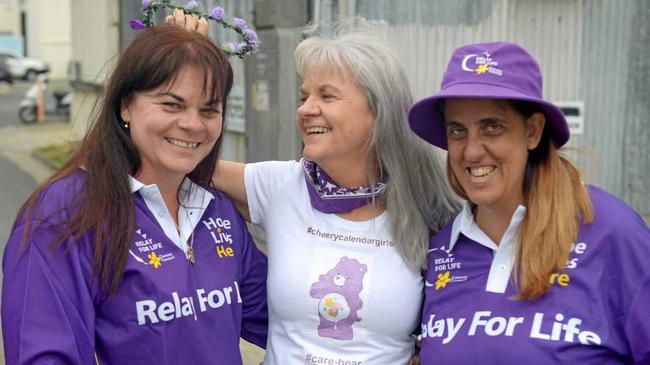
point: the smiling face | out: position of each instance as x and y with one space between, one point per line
335 120
488 143
173 126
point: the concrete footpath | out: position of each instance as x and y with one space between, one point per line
16 146
17 143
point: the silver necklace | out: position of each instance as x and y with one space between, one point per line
190 248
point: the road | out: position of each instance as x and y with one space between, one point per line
10 98
15 185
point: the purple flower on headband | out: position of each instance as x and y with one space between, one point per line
217 13
241 23
240 46
252 36
191 5
136 24
146 3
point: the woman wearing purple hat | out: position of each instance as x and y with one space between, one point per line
538 267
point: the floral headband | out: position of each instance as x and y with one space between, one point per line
248 43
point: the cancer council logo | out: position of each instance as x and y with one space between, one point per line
481 64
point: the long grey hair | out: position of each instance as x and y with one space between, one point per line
418 197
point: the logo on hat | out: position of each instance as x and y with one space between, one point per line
482 63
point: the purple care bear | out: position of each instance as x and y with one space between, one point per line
338 291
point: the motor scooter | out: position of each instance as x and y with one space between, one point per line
28 111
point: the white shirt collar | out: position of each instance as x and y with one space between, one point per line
504 253
197 193
135 184
464 223
193 201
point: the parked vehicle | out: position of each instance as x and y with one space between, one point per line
5 75
28 106
22 67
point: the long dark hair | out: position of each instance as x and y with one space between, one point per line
108 156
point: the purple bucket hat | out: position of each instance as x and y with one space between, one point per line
497 70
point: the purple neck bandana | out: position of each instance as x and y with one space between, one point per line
327 197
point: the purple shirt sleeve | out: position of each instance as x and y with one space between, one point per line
52 311
637 326
628 251
47 307
254 309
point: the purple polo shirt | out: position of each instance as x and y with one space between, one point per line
596 312
165 311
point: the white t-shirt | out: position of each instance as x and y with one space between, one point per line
338 291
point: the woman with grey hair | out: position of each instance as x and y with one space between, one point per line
348 225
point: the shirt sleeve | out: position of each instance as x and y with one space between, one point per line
47 307
253 291
628 252
635 246
637 326
262 181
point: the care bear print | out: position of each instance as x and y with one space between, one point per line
338 292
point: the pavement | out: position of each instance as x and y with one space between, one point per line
18 142
20 172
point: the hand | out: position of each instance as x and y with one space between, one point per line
190 22
415 359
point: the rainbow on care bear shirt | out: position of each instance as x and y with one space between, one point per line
338 291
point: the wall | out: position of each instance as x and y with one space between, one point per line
49 34
95 45
595 51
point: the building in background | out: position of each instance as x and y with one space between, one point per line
594 55
47 25
95 45
38 29
10 26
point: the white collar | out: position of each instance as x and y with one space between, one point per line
504 253
464 223
193 201
196 193
136 184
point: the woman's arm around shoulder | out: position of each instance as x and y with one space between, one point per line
229 178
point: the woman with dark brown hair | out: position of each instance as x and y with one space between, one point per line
128 254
